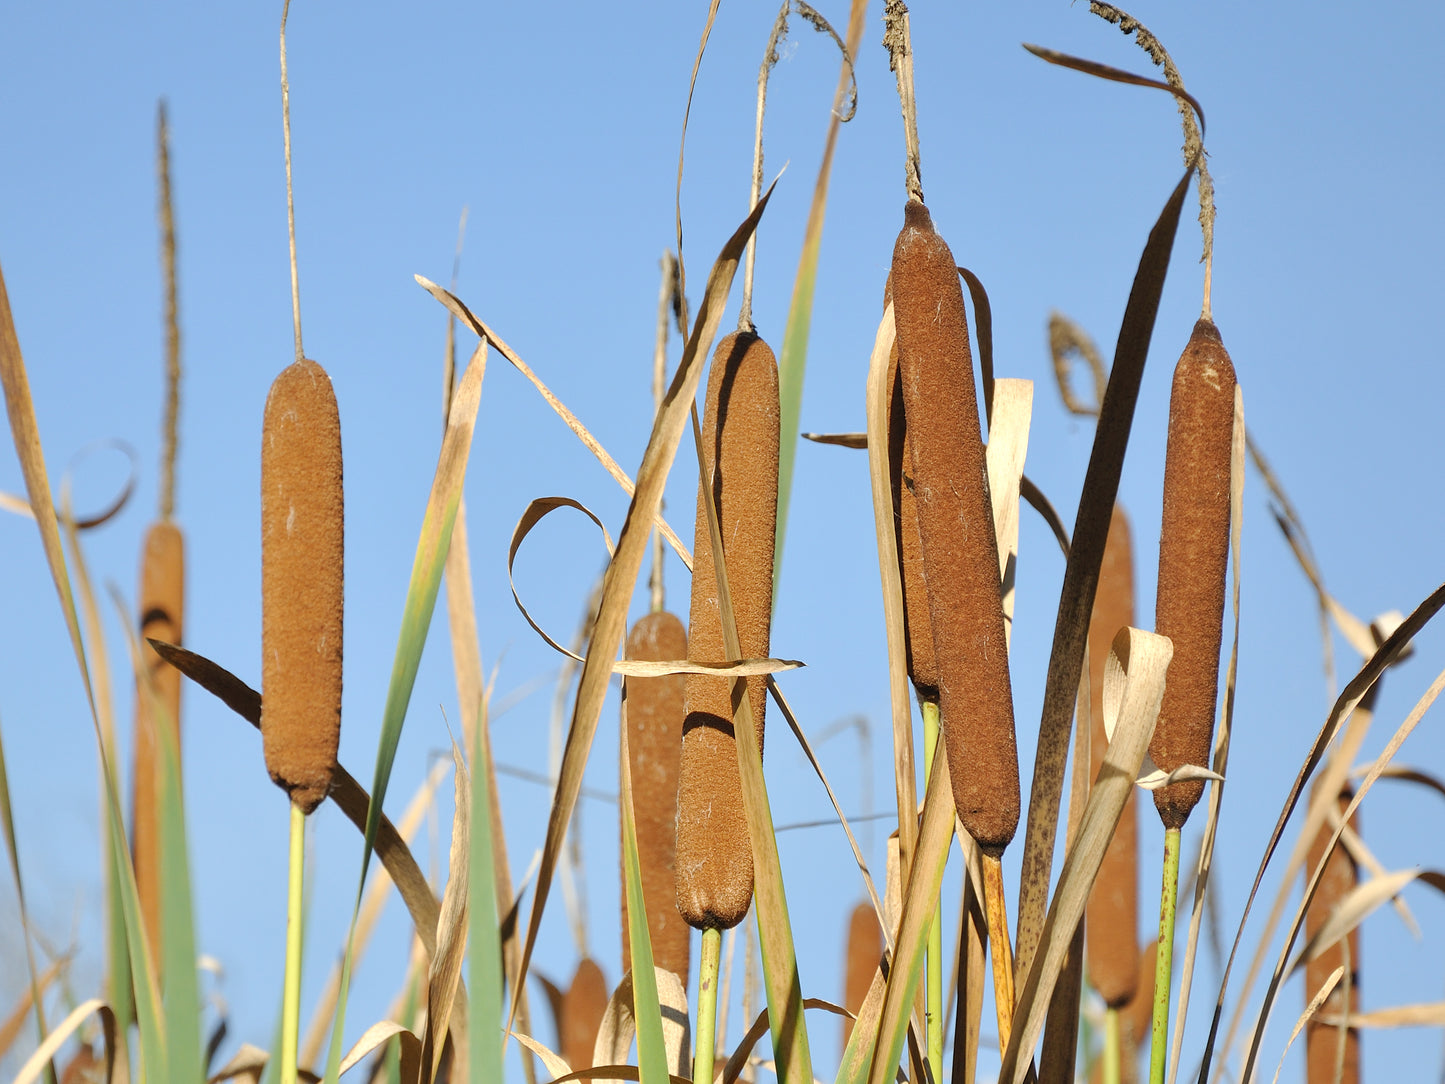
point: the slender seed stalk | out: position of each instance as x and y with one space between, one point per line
1000 947
1164 961
703 1055
1112 1047
935 932
291 995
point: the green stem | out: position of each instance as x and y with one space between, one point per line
1112 1058
1164 962
702 1061
935 931
291 996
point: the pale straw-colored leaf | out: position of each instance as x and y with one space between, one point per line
1008 442
1425 1015
890 577
1154 778
1361 902
1348 701
459 310
614 1037
37 1061
1310 1010
374 1036
445 974
1133 688
553 1062
622 572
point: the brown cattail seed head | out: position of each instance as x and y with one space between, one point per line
1113 918
1193 556
583 1006
162 604
301 569
960 554
917 625
1338 881
655 708
740 444
865 951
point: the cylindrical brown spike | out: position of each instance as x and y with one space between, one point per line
740 441
301 583
1113 916
655 708
960 554
865 950
583 1007
1337 882
1193 557
162 605
917 625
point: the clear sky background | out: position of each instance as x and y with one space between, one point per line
559 130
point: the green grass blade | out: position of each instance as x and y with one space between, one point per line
484 963
182 997
421 596
646 1010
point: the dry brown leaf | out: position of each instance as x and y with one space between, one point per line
57 1038
378 1034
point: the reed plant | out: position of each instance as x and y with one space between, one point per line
947 438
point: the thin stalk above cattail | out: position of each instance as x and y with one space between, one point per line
655 709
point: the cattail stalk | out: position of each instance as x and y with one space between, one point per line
1113 915
1189 608
960 561
1332 1051
739 473
654 714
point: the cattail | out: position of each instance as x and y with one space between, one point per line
960 554
162 603
1193 555
740 448
917 626
864 951
583 1006
655 710
1113 916
301 573
1337 882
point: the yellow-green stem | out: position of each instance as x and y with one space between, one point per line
1164 962
1112 1058
291 995
935 931
702 1060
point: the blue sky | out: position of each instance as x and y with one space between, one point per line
560 134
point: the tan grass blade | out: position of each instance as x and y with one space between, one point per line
459 310
904 771
1359 905
622 572
1434 879
1426 1015
1008 442
1305 1017
11 1026
614 1036
551 1061
1081 575
377 893
376 1036
1349 699
37 1062
1133 686
445 974
346 792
